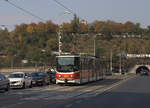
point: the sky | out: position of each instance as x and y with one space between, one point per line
121 11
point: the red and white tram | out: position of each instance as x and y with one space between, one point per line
78 69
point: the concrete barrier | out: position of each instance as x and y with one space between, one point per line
8 71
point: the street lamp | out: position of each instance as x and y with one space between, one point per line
111 60
120 69
95 43
94 47
59 34
3 27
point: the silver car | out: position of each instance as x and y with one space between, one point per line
20 80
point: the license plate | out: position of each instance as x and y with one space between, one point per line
33 82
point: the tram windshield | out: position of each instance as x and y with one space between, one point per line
68 64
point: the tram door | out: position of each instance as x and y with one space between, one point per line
81 71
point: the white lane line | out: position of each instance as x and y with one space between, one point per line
79 101
13 105
69 105
117 84
102 90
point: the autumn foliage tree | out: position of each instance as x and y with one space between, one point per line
28 41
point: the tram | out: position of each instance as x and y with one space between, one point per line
78 69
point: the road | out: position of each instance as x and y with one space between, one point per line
134 93
88 95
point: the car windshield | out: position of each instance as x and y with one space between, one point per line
38 74
35 75
15 76
67 64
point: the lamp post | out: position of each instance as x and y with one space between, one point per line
111 60
120 69
94 47
59 34
59 40
3 27
94 53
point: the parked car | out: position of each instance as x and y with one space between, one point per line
20 80
40 78
145 72
52 75
108 72
4 83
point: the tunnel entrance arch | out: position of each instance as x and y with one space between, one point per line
140 68
137 62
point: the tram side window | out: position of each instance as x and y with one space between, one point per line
82 66
91 62
85 65
77 64
98 66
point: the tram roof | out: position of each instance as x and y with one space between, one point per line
68 56
76 56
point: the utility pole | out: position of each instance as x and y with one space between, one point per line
60 33
59 40
120 70
111 61
95 45
94 48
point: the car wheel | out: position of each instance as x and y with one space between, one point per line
24 86
7 89
48 83
51 81
42 83
54 81
30 85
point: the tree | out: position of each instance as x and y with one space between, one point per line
67 28
31 28
52 44
75 24
50 27
83 28
34 54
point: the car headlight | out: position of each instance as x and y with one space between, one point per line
20 81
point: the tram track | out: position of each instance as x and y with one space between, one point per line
102 89
75 91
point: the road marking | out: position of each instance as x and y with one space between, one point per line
12 105
101 90
65 92
117 84
79 101
69 105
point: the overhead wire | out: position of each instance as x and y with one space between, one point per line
24 10
62 5
65 7
30 13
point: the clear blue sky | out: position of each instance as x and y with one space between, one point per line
90 10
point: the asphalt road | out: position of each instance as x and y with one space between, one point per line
88 95
134 93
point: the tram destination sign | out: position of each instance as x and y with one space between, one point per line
138 55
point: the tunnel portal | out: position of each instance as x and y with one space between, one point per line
140 68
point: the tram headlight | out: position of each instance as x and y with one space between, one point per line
71 76
59 76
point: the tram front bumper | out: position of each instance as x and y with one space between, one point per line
71 81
